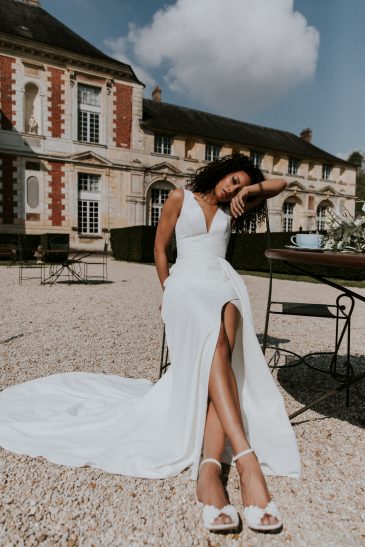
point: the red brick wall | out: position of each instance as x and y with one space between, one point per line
7 92
56 194
56 103
8 193
123 115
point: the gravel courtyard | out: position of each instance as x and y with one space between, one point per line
115 328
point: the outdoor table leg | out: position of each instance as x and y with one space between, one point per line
52 277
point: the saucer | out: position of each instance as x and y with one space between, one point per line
314 249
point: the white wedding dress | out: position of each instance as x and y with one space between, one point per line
133 427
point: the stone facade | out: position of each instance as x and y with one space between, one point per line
75 157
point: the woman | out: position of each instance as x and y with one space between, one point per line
204 302
131 427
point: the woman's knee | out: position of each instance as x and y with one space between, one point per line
222 348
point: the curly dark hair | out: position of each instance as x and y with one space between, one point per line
206 178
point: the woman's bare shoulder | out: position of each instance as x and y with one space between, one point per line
175 199
177 195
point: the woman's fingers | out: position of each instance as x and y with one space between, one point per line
238 203
237 208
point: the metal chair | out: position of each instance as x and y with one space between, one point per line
103 264
164 359
340 311
39 269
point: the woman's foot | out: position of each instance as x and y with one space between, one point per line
210 490
253 486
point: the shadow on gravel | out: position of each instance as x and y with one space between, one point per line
91 282
272 341
305 385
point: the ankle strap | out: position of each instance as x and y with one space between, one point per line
211 460
243 453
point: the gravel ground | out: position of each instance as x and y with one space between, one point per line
115 328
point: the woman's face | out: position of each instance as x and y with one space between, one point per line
230 185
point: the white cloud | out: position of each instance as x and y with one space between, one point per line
232 56
119 49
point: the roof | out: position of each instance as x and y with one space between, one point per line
32 22
174 119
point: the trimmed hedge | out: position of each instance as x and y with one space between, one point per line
135 244
27 243
249 254
245 251
55 242
24 243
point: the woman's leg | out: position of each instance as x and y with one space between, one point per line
214 435
224 397
210 488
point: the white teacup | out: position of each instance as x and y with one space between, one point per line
312 241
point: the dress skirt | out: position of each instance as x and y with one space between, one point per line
133 427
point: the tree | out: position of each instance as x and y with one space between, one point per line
357 159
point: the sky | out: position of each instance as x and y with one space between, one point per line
286 64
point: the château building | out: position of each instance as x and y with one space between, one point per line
81 150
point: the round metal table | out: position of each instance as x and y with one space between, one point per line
301 262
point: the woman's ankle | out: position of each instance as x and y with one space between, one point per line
247 463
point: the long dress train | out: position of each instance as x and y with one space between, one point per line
133 427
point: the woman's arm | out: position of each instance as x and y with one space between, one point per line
251 196
169 215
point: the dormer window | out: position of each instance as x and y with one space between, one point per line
163 144
212 152
256 159
326 171
293 166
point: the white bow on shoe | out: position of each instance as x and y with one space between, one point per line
210 513
254 514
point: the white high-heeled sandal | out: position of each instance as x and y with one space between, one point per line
210 512
253 514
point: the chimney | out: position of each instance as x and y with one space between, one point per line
306 134
156 94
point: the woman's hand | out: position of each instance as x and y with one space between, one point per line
238 203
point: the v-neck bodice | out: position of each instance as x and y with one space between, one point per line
192 236
205 218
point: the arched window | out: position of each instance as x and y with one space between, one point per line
158 195
32 192
31 109
321 215
288 215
